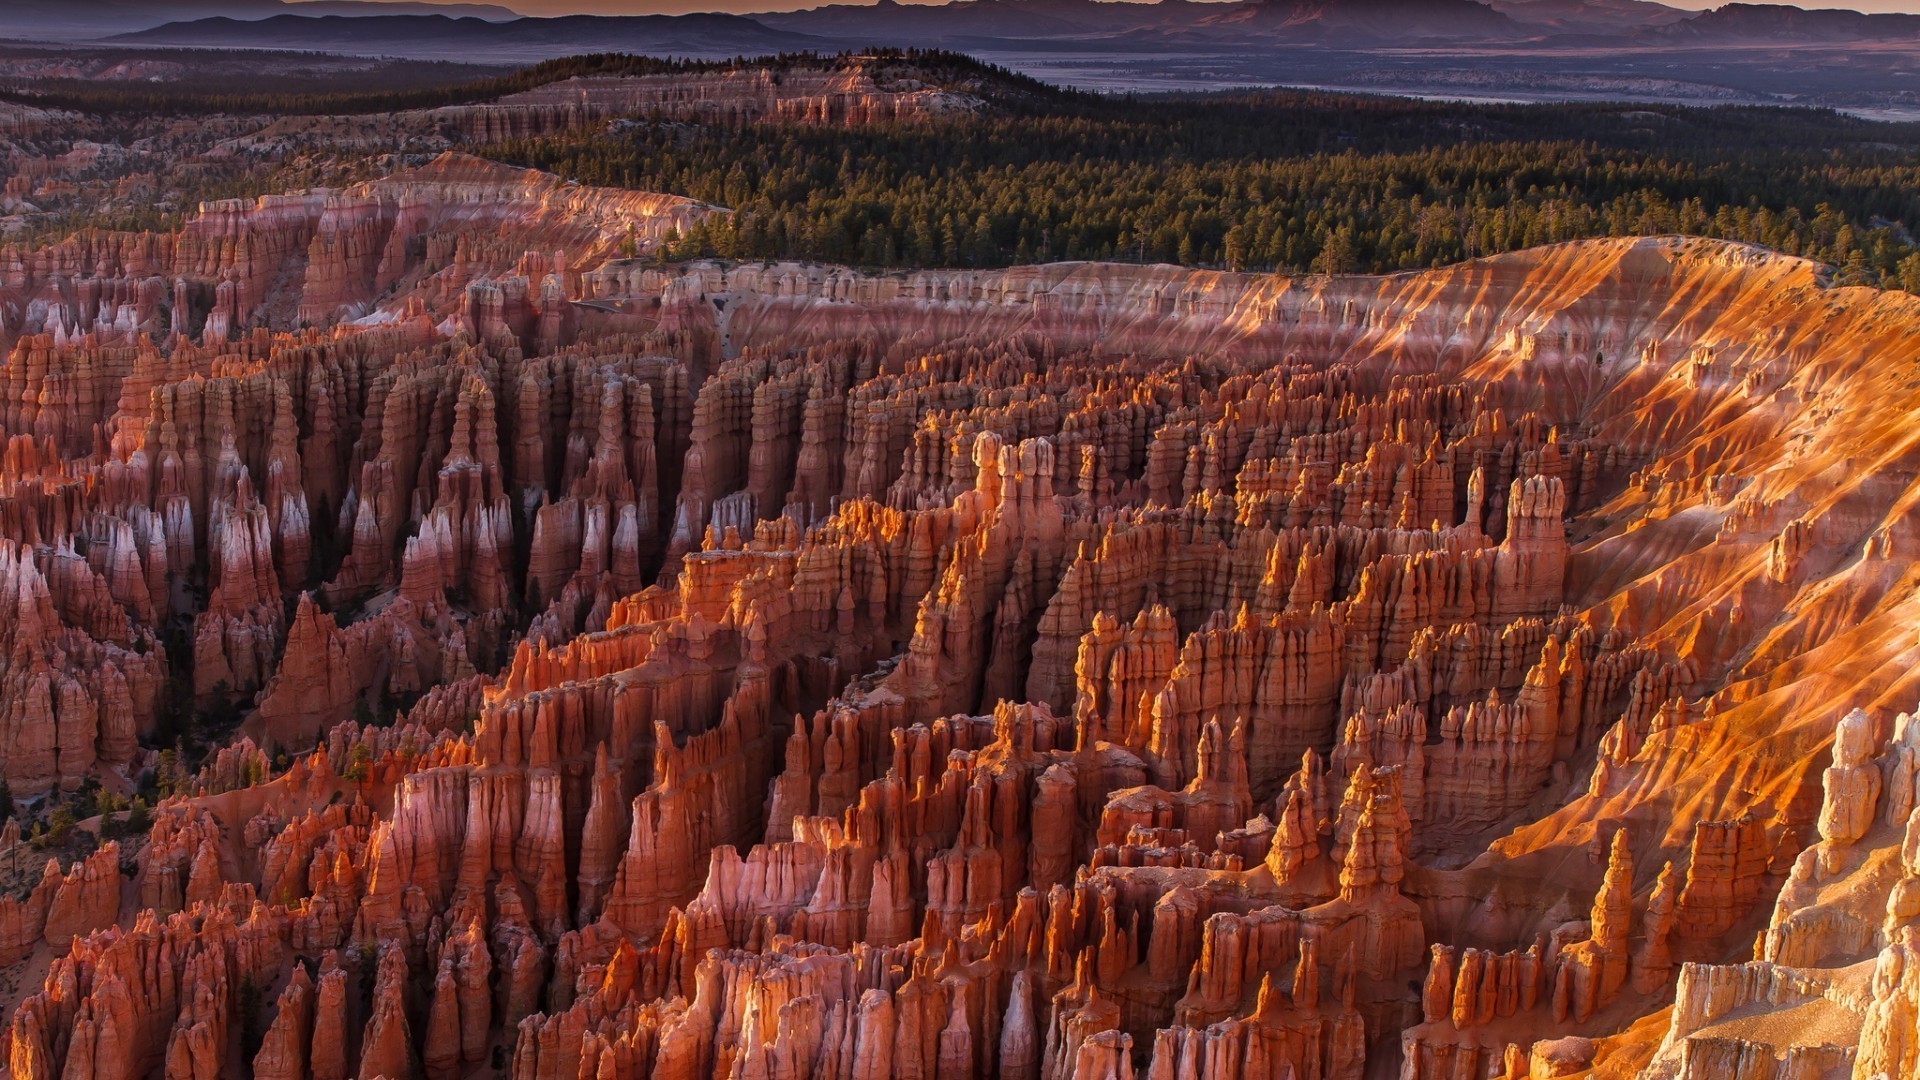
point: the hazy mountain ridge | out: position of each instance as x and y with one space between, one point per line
351 24
1366 20
490 12
80 19
1782 22
1501 50
1590 16
698 34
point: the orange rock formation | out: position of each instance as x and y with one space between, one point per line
1071 671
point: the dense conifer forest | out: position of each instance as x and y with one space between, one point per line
391 86
1272 180
1282 180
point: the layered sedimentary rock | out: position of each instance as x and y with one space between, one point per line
840 91
845 90
1067 671
463 238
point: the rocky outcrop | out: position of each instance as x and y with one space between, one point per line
87 899
836 91
1071 670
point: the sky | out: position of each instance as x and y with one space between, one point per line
637 7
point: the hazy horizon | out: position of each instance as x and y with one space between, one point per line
674 7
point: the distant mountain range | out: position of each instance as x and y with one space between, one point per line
1778 22
1331 21
1494 50
1167 22
479 40
482 32
1589 16
490 12
88 19
1361 20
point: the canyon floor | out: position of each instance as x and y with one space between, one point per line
445 637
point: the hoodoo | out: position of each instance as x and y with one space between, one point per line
538 653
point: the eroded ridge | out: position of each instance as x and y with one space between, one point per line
1070 671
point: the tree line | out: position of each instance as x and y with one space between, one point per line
1273 181
398 85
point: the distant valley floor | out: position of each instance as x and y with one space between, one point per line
1874 82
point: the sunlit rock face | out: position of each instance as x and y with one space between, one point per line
1068 671
846 90
849 91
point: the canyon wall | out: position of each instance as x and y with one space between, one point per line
1069 671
